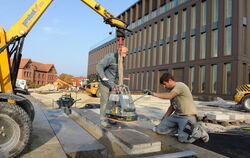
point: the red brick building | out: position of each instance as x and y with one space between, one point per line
38 73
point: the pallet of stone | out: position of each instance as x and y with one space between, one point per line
223 122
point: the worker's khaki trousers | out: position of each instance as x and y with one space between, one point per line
104 101
175 124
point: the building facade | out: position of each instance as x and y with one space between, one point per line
38 73
203 43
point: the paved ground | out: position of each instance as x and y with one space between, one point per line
230 141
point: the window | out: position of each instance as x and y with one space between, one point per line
203 13
154 56
193 17
148 57
147 76
143 59
244 40
168 28
134 59
152 80
184 20
214 78
192 48
167 54
214 43
161 29
245 8
175 24
139 59
155 32
202 79
139 39
160 55
174 55
215 11
142 79
228 41
203 46
149 34
228 8
227 78
183 50
191 78
144 36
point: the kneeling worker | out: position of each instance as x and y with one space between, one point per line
180 117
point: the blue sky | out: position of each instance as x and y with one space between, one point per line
65 32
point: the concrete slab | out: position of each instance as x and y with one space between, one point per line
220 117
43 142
73 138
130 140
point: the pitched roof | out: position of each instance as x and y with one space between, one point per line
39 66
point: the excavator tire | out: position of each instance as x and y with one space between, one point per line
15 130
246 103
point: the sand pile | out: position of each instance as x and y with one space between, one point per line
48 87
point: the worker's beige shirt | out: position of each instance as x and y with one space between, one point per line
183 102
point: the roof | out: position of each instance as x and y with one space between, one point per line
39 66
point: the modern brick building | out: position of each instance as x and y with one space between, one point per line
203 43
38 73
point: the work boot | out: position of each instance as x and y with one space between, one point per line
105 124
204 135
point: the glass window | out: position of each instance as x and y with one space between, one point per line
138 59
184 20
143 59
228 41
244 40
228 8
154 56
144 36
204 13
203 46
183 49
161 29
142 79
175 24
192 48
155 32
134 60
191 80
148 57
214 43
174 55
214 78
215 10
147 76
160 55
193 17
227 78
202 79
139 39
168 28
152 80
167 54
149 34
137 81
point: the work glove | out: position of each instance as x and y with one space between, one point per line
105 79
148 92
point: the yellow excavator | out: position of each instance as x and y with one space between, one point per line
17 112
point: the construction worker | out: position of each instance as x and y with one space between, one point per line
107 68
180 117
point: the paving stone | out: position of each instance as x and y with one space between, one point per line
236 116
218 117
73 138
130 140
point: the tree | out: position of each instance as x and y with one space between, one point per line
64 76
